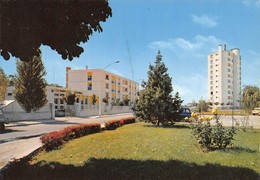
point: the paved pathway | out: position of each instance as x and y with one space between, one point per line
22 138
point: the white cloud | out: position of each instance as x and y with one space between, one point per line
205 20
183 91
198 42
250 3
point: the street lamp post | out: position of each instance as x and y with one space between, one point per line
99 101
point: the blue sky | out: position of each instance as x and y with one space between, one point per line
185 31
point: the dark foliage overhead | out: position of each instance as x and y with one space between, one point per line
60 24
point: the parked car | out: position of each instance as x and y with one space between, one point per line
256 111
183 113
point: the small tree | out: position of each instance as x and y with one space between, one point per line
94 99
12 79
155 103
250 98
3 84
105 100
202 106
31 85
70 98
126 101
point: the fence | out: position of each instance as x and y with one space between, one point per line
14 112
93 110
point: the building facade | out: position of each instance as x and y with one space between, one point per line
224 77
102 84
54 94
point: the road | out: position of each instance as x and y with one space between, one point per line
22 138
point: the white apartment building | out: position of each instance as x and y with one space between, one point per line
224 77
54 95
101 83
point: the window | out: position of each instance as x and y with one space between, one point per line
107 77
216 92
90 86
229 81
56 101
211 77
211 82
107 86
211 87
61 101
211 72
211 66
211 93
9 94
211 61
89 78
107 94
229 92
229 70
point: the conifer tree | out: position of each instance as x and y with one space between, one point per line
30 85
155 103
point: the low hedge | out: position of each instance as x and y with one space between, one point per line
113 124
54 140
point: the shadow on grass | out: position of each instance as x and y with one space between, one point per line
242 149
176 125
125 169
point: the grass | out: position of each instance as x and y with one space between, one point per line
142 151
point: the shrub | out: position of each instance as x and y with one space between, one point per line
211 137
54 140
113 124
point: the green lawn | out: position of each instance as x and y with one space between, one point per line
142 151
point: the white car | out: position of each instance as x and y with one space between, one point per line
256 111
